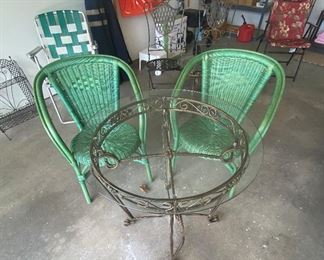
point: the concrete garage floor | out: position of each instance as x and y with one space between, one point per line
280 216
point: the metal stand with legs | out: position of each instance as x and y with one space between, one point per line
173 205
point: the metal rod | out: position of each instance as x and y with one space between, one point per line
171 235
182 232
212 217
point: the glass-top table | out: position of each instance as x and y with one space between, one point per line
193 154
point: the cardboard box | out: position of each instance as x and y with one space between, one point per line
247 2
232 30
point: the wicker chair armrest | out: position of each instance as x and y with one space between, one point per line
272 108
47 121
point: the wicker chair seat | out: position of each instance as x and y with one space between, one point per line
116 143
201 135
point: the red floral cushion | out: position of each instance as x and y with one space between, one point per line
288 19
287 43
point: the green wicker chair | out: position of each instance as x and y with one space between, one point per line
236 77
88 85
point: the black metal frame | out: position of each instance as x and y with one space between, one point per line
17 109
298 51
159 66
209 22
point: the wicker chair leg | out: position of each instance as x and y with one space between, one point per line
84 188
148 170
85 191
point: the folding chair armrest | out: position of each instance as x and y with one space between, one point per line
311 24
311 30
33 55
94 46
34 52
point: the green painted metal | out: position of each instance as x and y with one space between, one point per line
236 77
88 85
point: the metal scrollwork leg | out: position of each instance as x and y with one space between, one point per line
178 218
5 134
129 221
213 216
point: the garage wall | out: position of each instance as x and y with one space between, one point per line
17 30
18 35
135 32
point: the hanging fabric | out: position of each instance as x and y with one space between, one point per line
136 7
105 29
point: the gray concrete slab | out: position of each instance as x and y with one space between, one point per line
43 214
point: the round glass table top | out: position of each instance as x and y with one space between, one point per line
178 154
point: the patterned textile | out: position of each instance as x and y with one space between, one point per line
64 33
298 43
287 23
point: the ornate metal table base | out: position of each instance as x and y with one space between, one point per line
234 156
212 218
174 219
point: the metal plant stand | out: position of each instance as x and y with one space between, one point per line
16 98
213 22
169 43
169 194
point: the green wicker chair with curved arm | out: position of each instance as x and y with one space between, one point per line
88 86
237 77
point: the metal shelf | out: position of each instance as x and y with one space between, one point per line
12 81
16 98
262 10
21 115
